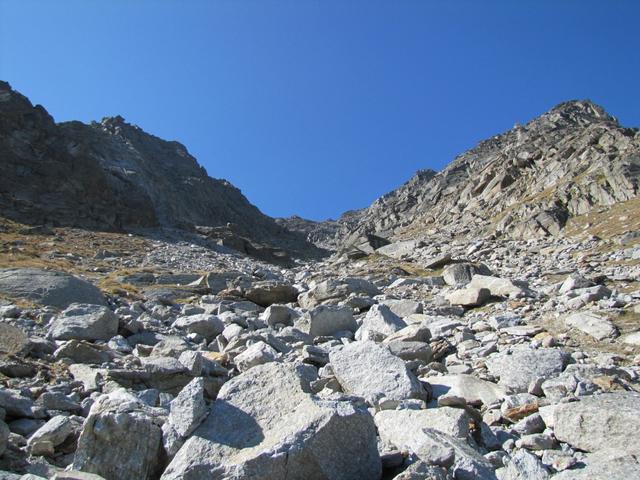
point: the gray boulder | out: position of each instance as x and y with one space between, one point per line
594 325
469 297
460 274
404 427
209 326
524 466
501 287
332 291
371 371
267 293
17 405
598 422
436 447
256 354
189 408
472 389
56 289
278 314
379 321
4 436
403 308
264 424
517 369
84 322
610 464
326 320
50 435
411 350
121 438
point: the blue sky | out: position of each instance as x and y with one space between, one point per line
314 107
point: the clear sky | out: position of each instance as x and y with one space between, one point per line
314 107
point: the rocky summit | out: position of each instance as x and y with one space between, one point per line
482 322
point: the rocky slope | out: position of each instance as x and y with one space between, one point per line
129 357
433 354
113 175
525 183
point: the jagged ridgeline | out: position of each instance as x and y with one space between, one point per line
112 175
527 182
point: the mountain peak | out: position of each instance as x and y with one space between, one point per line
578 111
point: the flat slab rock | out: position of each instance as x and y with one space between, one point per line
594 325
264 424
56 289
472 389
371 371
524 365
404 427
598 422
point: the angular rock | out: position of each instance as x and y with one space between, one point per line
331 291
371 371
82 352
411 350
47 287
256 354
380 320
278 314
121 438
403 308
469 297
17 405
209 326
472 389
523 365
524 466
588 322
84 322
326 320
50 435
264 424
460 274
598 422
500 287
189 408
412 333
268 293
407 424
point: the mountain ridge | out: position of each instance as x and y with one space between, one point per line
113 175
525 182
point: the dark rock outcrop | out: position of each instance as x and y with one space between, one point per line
112 175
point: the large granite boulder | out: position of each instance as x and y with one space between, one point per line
48 287
265 424
371 371
379 321
518 368
328 319
84 322
121 438
598 422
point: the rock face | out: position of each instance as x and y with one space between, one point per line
57 289
527 182
284 433
126 178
